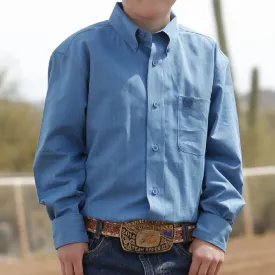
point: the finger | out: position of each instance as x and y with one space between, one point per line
218 268
62 268
203 267
212 268
69 268
195 266
78 267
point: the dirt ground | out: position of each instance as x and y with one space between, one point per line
253 256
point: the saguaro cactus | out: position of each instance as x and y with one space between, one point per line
222 37
220 25
254 99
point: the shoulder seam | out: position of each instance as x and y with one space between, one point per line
64 55
194 32
83 31
209 38
225 65
224 55
55 51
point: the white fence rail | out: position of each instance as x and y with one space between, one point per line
252 172
19 180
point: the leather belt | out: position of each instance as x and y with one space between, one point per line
143 236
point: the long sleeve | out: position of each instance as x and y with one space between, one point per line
221 198
59 164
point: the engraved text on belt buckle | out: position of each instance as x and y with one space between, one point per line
146 237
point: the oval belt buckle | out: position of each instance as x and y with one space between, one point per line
146 237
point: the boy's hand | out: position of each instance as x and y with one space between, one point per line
70 257
207 258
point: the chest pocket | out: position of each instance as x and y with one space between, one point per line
192 124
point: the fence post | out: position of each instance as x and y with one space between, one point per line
21 221
247 214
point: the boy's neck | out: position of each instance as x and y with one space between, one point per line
149 24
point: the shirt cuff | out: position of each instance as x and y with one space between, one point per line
213 229
69 229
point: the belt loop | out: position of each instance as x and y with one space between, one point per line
185 233
98 229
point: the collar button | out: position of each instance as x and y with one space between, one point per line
155 62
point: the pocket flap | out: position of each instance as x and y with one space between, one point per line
199 104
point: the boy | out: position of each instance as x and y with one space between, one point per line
139 158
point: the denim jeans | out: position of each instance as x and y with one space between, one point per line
106 257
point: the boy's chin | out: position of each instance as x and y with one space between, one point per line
150 14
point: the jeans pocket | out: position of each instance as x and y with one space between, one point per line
192 124
182 249
95 245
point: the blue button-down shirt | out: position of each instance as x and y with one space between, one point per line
139 126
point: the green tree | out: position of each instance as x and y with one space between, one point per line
7 89
19 130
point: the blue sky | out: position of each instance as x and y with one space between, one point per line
30 30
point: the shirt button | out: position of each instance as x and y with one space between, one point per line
155 62
154 192
155 104
142 34
155 147
134 47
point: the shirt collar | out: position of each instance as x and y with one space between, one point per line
124 26
171 29
127 28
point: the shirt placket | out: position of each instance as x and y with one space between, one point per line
155 134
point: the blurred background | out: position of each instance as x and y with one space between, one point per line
30 30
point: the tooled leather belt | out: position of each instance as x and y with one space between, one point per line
143 236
